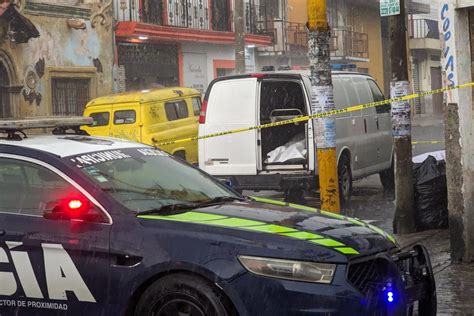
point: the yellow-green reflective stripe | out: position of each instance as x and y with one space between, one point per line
355 221
333 215
237 223
383 233
270 201
327 242
197 217
250 225
303 208
303 235
347 250
328 214
274 229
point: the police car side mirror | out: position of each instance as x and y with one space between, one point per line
73 209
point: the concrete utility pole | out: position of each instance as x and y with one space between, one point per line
239 28
454 24
404 221
323 101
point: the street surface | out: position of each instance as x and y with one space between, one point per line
455 282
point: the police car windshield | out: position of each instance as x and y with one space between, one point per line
145 179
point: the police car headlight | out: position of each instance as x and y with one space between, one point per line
290 270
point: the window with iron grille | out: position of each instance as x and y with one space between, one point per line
70 95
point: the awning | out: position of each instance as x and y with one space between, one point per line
21 29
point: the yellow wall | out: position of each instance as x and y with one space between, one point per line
297 11
366 20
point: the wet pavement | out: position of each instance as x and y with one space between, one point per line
454 282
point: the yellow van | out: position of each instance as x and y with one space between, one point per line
150 117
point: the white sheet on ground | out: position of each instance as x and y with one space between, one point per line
439 155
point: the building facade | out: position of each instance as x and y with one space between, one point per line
356 37
179 42
425 51
54 55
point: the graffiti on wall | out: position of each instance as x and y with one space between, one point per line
448 41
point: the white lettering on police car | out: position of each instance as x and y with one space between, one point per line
95 158
62 275
26 275
7 279
151 152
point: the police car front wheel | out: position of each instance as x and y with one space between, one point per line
182 294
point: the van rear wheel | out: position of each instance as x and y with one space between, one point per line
344 174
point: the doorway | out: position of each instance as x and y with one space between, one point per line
436 83
5 97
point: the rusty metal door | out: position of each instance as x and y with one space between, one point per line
70 95
436 83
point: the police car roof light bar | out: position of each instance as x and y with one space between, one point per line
44 122
61 125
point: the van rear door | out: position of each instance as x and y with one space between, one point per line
231 104
126 121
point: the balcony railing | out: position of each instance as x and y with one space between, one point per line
347 44
423 28
178 13
297 34
293 37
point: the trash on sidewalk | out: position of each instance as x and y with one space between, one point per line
431 195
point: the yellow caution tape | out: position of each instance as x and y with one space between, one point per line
427 142
316 116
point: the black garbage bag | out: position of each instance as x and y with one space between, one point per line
431 195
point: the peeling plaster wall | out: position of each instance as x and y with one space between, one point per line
66 52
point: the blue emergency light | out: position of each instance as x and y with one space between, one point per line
390 296
389 293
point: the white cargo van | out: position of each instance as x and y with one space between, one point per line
283 158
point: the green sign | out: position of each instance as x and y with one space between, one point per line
389 7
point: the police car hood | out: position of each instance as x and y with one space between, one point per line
343 234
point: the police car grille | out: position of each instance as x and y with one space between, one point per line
364 277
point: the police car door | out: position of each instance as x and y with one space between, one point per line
51 261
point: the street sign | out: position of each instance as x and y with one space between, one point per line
389 7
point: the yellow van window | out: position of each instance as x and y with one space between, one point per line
125 117
176 110
196 106
100 119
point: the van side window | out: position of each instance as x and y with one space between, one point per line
365 94
196 106
176 110
340 98
378 96
125 117
352 95
100 119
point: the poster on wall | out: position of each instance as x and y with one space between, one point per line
195 71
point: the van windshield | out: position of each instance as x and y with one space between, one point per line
144 179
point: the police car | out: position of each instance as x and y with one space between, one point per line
101 226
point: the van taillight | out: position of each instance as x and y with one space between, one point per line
202 116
